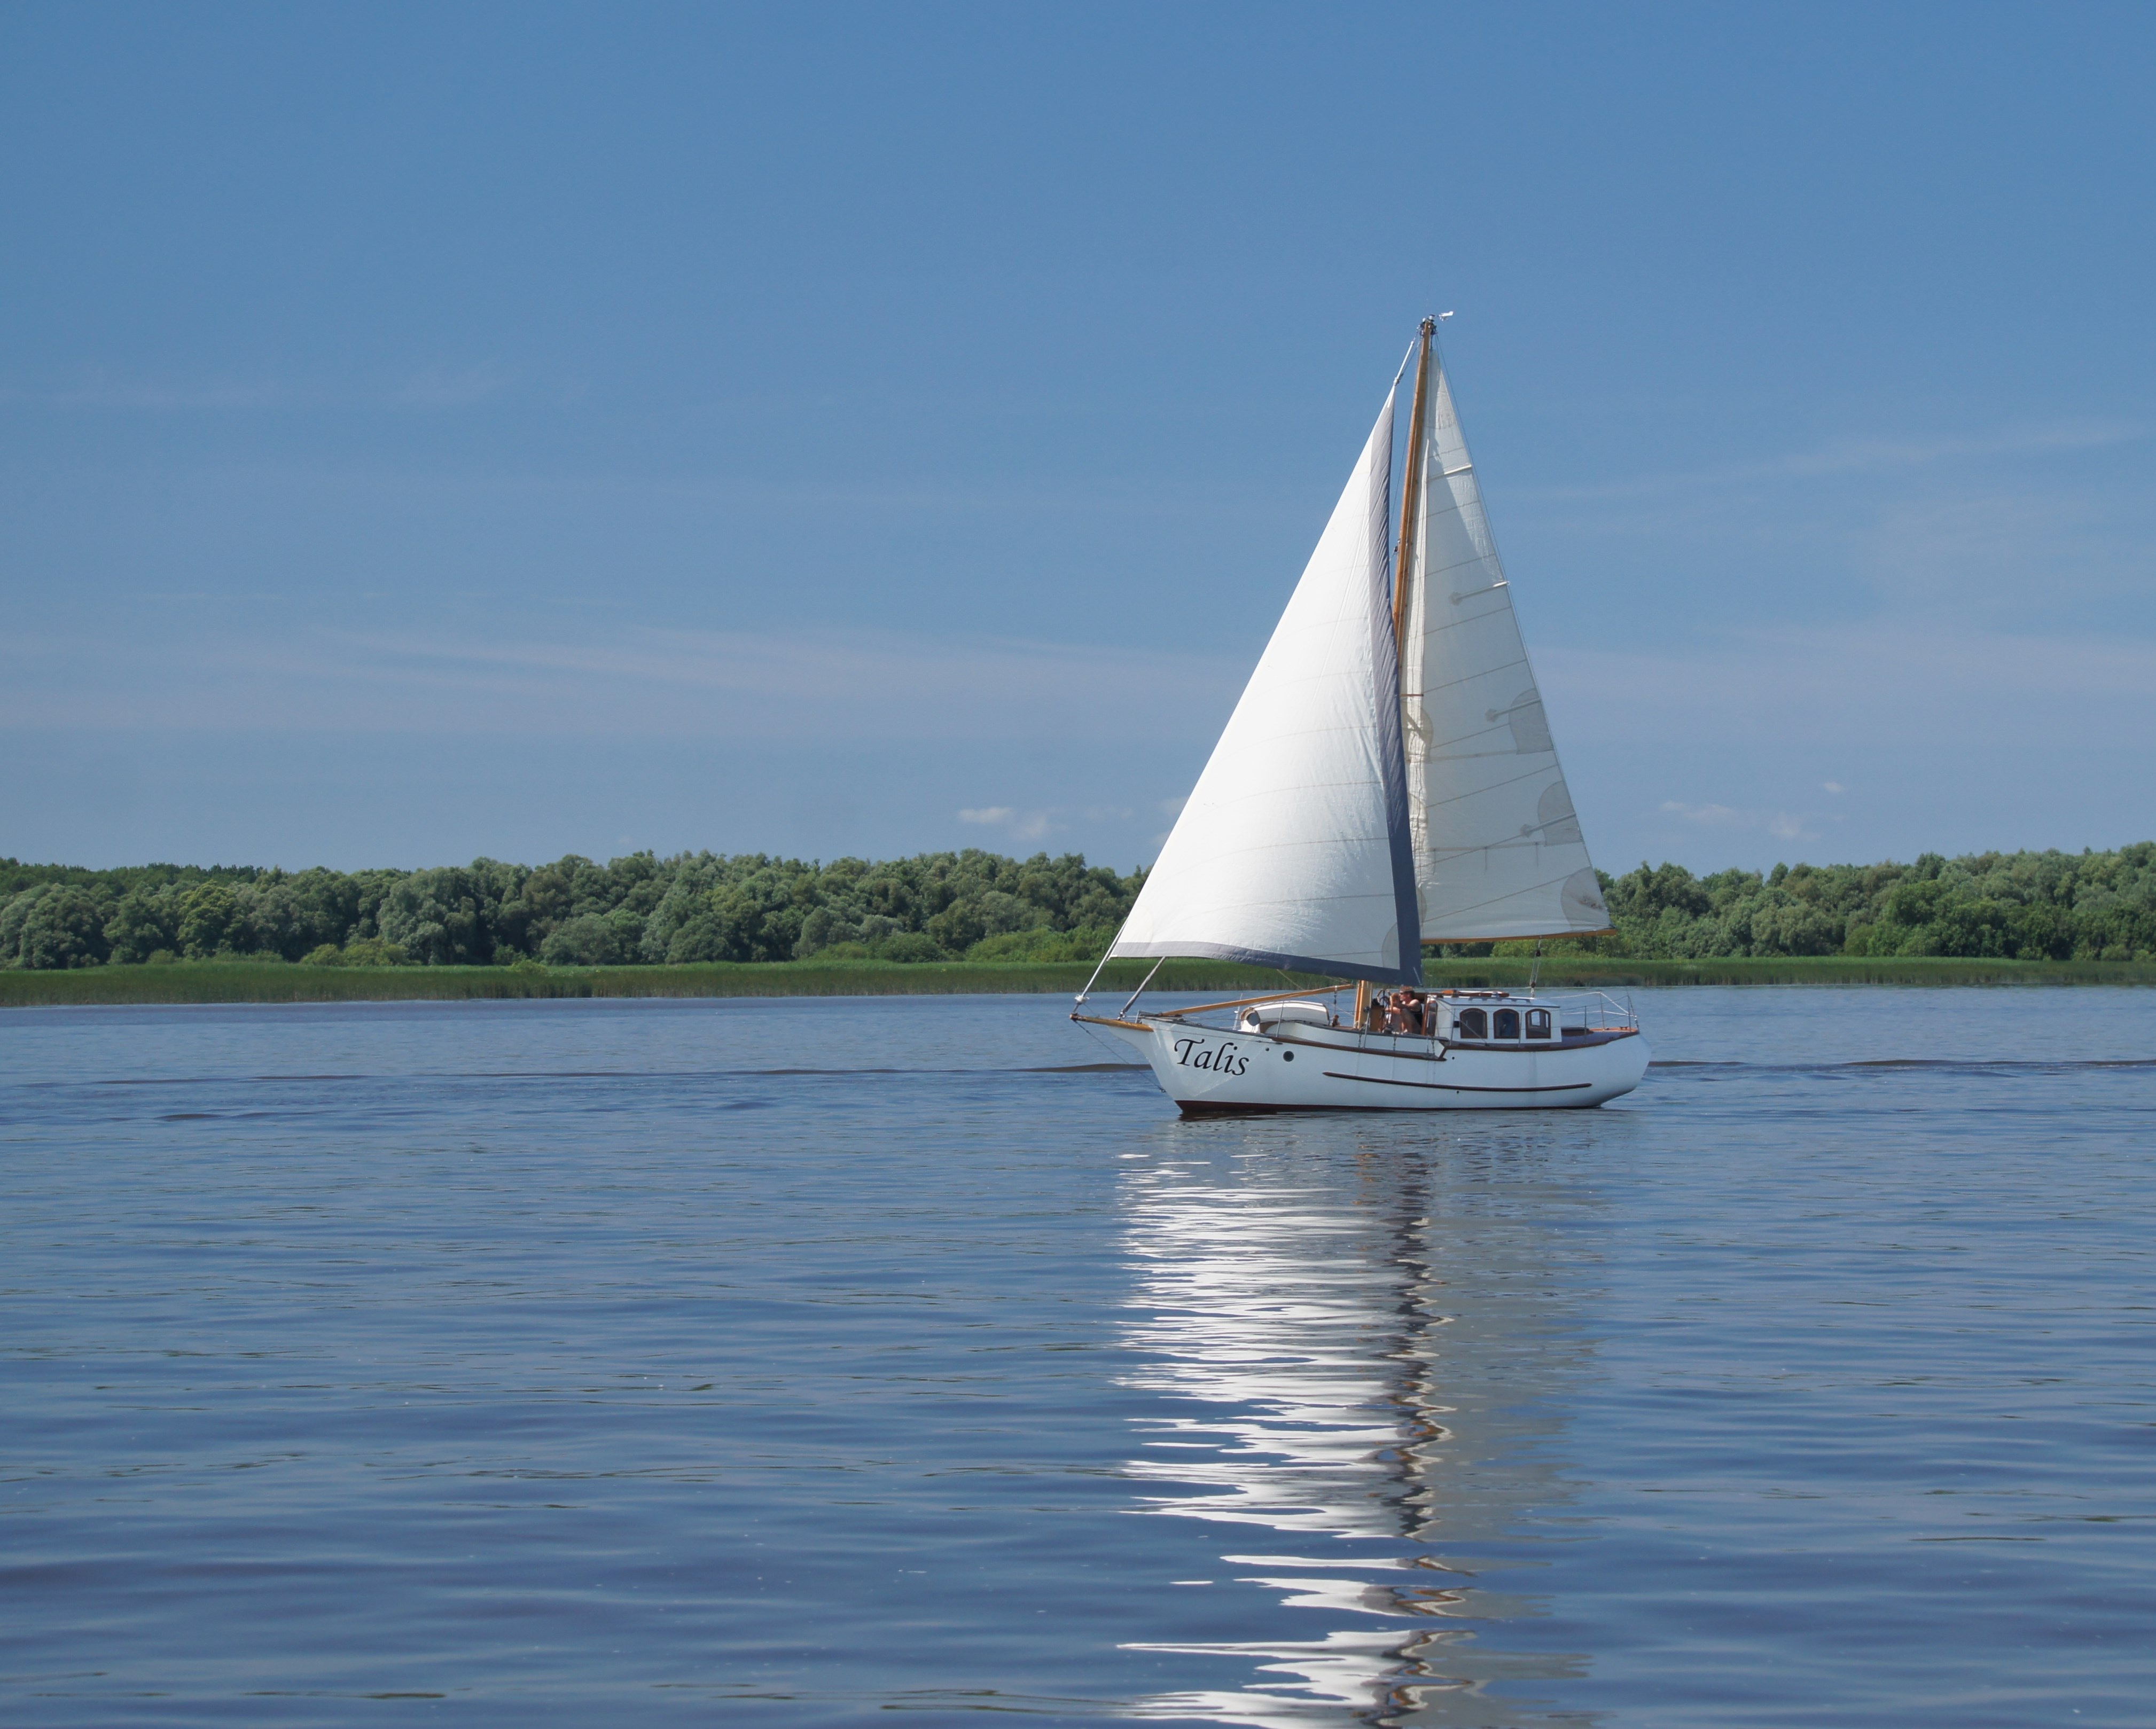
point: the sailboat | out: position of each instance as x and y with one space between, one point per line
1387 781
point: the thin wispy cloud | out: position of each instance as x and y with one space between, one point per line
1020 825
2007 547
433 389
459 389
1732 748
726 686
1858 686
1710 815
1780 824
1873 455
217 395
1857 455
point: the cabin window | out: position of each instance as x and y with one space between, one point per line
1538 1024
1474 1024
1508 1024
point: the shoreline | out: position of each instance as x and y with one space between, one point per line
211 982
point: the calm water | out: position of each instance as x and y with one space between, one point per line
799 1362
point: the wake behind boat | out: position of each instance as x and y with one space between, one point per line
1388 781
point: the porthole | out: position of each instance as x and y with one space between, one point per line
1287 1056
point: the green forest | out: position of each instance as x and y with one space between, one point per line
980 906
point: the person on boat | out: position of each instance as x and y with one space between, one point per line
1374 1020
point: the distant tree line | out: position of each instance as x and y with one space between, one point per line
978 906
2026 906
574 912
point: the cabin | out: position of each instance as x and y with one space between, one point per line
1498 1021
1490 1018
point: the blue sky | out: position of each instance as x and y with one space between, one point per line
435 431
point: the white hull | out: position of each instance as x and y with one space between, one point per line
1206 1069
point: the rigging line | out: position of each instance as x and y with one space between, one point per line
1468 678
1472 560
1443 756
1108 954
1453 855
1495 900
1441 750
1511 842
1456 855
1492 788
1144 983
1448 689
1105 1045
1536 835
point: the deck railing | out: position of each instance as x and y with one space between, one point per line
1586 1005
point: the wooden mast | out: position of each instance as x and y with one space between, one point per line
1404 555
1410 486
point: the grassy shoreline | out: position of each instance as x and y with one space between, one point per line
245 981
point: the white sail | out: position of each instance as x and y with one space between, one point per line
1292 850
1498 851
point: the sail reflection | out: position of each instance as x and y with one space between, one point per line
1360 1344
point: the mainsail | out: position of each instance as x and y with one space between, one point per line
1498 851
1293 850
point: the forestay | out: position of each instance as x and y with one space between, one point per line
1498 851
1293 850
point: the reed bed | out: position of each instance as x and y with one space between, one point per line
246 981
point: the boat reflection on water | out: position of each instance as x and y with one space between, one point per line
1363 1345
